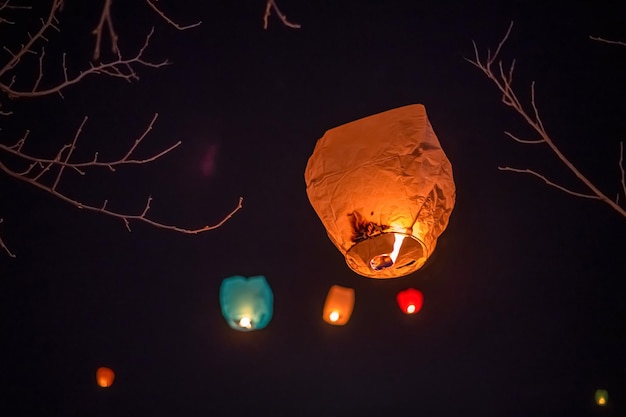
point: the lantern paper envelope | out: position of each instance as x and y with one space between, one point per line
339 305
383 188
246 303
410 300
105 376
601 397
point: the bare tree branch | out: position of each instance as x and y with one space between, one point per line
33 175
6 5
4 247
48 173
106 18
547 181
271 4
120 68
170 21
503 79
599 39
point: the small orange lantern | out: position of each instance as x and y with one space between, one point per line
105 377
339 305
410 300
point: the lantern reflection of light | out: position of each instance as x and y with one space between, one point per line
339 305
105 377
382 186
602 397
247 303
410 300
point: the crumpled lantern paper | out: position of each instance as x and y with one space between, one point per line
382 186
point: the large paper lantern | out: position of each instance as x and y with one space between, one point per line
601 397
104 377
410 300
247 303
339 305
383 188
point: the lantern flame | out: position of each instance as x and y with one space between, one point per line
334 316
601 401
245 322
410 308
397 244
387 260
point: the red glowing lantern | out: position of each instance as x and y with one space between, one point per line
410 300
105 377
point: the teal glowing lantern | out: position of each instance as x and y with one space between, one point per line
247 303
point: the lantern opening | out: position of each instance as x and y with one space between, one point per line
334 316
410 308
380 262
387 255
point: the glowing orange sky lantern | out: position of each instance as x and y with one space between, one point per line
383 188
410 300
105 376
339 305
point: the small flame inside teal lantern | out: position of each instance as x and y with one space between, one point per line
247 303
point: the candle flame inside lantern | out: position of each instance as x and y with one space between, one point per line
334 316
245 322
386 260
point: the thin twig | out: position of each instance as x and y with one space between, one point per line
62 160
4 246
547 181
170 21
271 4
599 39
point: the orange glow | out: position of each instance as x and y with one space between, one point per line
339 305
362 196
105 377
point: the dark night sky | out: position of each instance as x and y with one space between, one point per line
523 312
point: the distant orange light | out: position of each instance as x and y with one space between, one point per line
410 300
338 306
601 396
105 377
